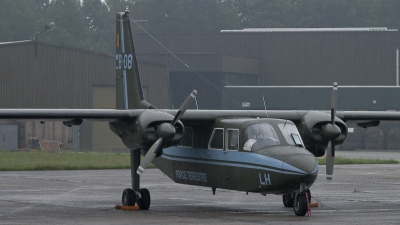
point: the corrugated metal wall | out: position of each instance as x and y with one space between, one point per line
293 58
373 98
61 77
154 78
48 131
57 77
103 138
320 58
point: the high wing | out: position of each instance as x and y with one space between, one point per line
68 115
368 116
360 117
212 115
293 115
112 115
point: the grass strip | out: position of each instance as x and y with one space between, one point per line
343 160
18 161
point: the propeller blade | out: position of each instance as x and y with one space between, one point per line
330 161
150 155
334 102
184 107
330 154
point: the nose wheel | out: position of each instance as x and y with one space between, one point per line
300 201
300 205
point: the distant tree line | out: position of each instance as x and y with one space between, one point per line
90 24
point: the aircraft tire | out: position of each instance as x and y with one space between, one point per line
144 202
287 200
128 197
300 207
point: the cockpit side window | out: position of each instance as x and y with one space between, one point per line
232 137
217 139
258 136
291 134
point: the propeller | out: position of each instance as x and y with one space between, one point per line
164 131
331 131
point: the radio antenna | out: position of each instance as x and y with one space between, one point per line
265 107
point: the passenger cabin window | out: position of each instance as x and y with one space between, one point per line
259 136
217 139
187 139
291 134
232 137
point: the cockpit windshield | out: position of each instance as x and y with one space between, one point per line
258 136
291 134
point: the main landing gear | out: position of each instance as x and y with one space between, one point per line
136 195
300 201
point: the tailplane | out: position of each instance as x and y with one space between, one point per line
129 91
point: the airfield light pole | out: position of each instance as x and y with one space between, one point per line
50 26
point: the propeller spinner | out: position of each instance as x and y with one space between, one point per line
164 131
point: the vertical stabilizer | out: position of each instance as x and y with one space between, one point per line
128 85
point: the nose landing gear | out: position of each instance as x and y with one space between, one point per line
301 205
300 201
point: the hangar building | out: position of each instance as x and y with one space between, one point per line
42 75
272 57
63 77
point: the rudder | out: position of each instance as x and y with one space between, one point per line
129 94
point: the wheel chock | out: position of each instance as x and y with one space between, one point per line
130 207
314 204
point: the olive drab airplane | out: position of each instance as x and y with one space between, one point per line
259 151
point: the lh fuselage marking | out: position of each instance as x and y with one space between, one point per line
267 179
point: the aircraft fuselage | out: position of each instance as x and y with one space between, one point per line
248 154
241 171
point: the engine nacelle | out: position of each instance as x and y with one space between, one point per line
316 131
143 132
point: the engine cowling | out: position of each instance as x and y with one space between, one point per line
316 131
147 128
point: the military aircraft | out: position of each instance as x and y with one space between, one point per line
267 152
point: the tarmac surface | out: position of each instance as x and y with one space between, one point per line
359 194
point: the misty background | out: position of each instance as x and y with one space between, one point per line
90 24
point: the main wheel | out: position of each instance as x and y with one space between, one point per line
300 206
287 200
128 197
144 202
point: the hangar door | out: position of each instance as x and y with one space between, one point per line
102 137
8 137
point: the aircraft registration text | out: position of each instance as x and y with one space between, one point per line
124 61
190 175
